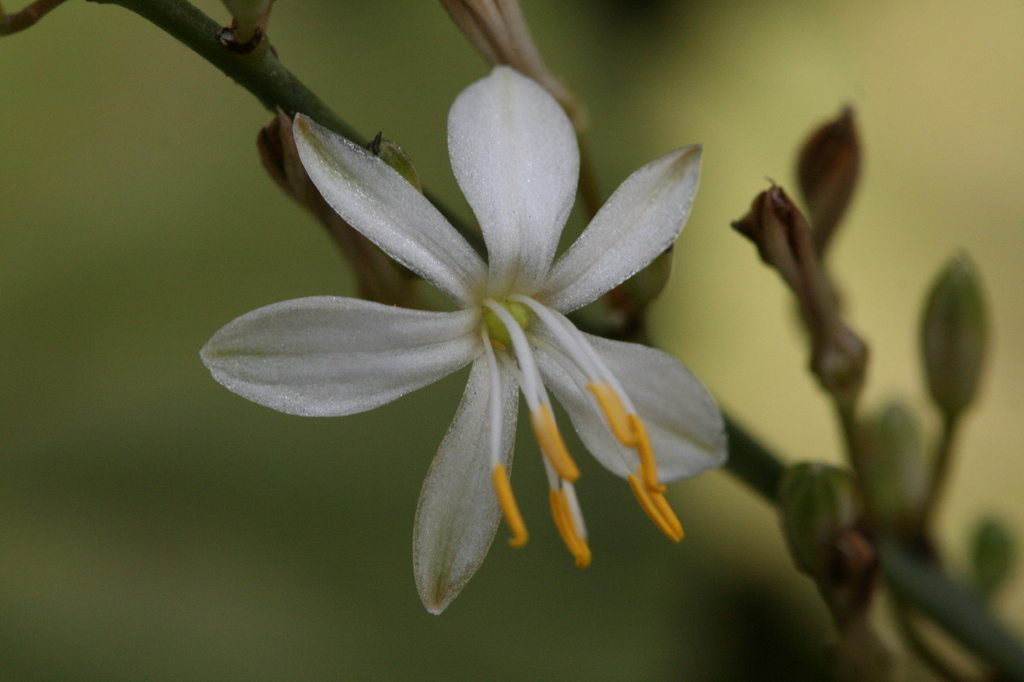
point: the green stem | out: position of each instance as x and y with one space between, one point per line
916 642
260 72
751 462
952 606
940 468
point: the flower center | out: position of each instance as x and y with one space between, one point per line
496 329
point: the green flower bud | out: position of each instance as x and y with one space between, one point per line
895 477
993 555
818 503
954 334
394 156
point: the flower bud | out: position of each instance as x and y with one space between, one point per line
780 232
783 239
992 554
954 334
394 156
894 473
827 170
250 20
498 30
819 503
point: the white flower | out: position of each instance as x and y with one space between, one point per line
639 411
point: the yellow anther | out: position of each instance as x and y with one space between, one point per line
566 525
551 443
614 412
648 465
668 515
656 506
509 509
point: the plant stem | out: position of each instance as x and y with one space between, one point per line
940 467
261 73
960 612
19 21
751 462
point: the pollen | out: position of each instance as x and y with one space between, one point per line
496 328
509 508
551 443
566 524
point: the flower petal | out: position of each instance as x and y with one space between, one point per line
378 202
515 157
326 356
684 424
458 511
640 221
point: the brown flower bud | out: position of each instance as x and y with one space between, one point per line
827 170
498 30
378 277
783 240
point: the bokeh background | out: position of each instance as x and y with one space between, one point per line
154 526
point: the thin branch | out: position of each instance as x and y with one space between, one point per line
261 73
940 467
961 613
751 462
19 21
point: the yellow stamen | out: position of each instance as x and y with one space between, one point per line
648 465
566 525
668 515
551 443
509 509
656 506
614 412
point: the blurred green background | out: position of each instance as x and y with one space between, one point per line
154 526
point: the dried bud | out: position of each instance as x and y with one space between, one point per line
394 156
498 29
827 170
894 473
378 277
783 240
993 555
954 334
818 503
779 230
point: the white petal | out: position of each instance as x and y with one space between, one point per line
684 424
638 222
327 356
458 511
515 157
374 199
